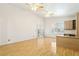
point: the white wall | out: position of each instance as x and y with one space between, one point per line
3 30
21 24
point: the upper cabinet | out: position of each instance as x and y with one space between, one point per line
70 25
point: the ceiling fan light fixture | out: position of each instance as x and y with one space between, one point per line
37 6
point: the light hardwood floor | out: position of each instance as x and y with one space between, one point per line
61 51
34 47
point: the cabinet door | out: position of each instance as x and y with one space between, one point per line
68 25
77 27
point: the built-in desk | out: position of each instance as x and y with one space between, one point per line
67 42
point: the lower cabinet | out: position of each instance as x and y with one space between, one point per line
67 46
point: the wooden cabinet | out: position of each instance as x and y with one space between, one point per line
77 25
67 45
70 25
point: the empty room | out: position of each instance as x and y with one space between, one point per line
39 29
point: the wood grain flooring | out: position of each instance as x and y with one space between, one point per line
33 47
36 47
61 51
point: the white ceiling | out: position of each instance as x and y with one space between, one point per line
58 9
63 9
